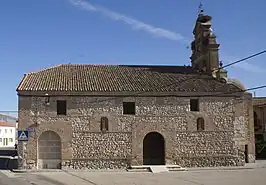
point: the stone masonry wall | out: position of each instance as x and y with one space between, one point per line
85 146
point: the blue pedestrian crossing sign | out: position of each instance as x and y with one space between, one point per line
23 135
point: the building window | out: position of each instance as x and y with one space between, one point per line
11 131
11 140
0 140
129 108
5 142
200 124
104 124
194 105
5 130
61 107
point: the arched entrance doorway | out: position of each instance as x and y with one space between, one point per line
49 151
153 149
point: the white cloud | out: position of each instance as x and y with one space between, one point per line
134 23
155 31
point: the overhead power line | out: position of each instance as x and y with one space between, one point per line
223 93
196 77
207 95
246 58
8 111
231 92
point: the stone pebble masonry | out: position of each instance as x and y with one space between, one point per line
84 146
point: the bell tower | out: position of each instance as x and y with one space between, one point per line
205 55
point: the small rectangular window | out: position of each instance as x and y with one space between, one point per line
194 105
104 124
129 108
5 142
61 107
11 140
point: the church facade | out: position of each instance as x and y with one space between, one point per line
117 116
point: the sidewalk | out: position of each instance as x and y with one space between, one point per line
258 164
208 176
247 166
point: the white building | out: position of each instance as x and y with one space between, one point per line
7 134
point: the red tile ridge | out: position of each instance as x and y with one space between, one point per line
7 124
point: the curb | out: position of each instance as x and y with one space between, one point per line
19 171
219 169
228 168
184 170
35 171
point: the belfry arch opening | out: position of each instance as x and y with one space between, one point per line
153 149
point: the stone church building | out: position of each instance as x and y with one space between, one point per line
117 116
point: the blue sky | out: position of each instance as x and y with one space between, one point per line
38 34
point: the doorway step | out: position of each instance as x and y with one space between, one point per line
156 168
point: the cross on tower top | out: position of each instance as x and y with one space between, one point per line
205 56
201 8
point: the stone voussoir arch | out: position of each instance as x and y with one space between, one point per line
49 150
154 148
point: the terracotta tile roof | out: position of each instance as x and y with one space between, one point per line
7 124
259 101
114 78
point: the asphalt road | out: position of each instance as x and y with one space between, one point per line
5 180
9 178
247 176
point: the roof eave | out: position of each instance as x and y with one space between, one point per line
20 85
